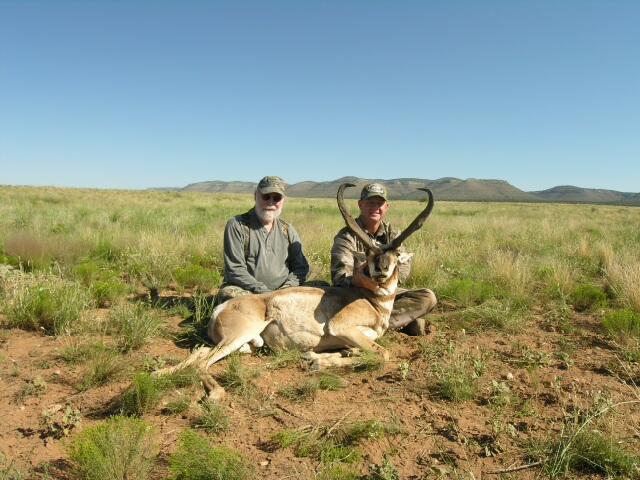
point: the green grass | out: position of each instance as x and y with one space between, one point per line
44 303
588 297
102 366
121 448
455 379
197 459
213 418
622 324
134 325
237 377
197 277
308 389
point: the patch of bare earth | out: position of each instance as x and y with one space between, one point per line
438 439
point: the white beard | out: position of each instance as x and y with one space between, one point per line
267 216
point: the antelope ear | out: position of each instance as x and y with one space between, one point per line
405 257
359 258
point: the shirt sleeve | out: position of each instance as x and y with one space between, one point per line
342 250
296 261
235 264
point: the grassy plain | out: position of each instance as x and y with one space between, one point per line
536 352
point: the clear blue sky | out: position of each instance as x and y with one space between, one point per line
135 94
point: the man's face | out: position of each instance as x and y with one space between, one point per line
373 209
269 205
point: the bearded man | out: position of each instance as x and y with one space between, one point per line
262 252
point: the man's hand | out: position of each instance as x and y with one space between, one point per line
363 281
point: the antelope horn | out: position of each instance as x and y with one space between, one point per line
352 224
415 225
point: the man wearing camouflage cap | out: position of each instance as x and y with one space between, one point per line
410 305
262 252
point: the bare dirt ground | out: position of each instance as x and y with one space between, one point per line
547 375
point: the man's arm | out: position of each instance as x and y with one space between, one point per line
235 264
296 261
344 244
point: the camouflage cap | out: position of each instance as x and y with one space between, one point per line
373 190
271 185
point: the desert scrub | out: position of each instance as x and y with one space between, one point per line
121 448
587 297
237 377
146 391
456 378
623 326
44 302
197 459
307 390
102 365
134 325
213 418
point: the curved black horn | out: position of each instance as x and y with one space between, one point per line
416 224
351 223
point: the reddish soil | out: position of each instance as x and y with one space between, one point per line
440 439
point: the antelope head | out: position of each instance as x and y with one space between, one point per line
382 260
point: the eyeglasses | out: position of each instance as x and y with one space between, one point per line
275 197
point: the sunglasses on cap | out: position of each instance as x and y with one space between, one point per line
276 197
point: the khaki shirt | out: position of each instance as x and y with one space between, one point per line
345 243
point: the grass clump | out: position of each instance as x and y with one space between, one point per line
213 418
146 391
308 389
622 324
368 361
456 379
237 377
338 472
587 297
502 315
118 449
103 365
134 325
468 292
332 444
196 276
197 459
45 303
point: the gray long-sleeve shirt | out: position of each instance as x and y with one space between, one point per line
275 259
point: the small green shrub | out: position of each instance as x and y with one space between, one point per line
142 396
134 325
590 452
587 297
308 389
213 418
622 324
103 365
119 449
237 377
467 292
368 361
45 303
455 381
196 276
197 459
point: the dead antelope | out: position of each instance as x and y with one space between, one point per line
313 320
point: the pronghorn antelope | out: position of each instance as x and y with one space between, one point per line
313 320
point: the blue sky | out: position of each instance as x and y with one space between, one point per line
138 94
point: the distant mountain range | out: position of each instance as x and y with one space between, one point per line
447 188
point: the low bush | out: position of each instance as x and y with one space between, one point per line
213 418
134 325
587 297
622 325
119 449
197 459
45 303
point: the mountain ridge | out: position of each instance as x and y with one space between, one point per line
446 188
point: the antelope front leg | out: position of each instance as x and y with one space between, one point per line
353 336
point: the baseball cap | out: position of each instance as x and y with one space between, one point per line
271 184
373 190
